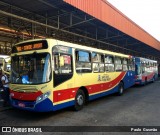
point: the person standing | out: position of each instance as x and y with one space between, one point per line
5 83
1 87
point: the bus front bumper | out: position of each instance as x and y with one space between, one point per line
44 106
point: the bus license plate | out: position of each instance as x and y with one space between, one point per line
21 104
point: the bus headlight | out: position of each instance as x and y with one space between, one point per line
43 97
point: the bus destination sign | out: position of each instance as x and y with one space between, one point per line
29 47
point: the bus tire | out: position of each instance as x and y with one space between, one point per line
120 89
153 79
79 100
145 83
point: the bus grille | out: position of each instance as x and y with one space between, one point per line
24 89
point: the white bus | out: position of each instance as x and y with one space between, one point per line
5 63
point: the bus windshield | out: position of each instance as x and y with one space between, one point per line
31 69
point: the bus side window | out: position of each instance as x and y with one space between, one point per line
118 64
109 63
56 64
131 65
98 62
143 66
101 63
62 64
125 64
83 61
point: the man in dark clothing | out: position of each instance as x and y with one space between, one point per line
5 83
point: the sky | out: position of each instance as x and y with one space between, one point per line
145 13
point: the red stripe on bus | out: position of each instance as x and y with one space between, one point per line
28 96
106 85
68 93
149 77
65 94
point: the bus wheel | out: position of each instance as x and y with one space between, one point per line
145 83
79 100
153 79
120 89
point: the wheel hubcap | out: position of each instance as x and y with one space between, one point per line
80 100
121 89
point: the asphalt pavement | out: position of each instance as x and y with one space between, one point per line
1 103
138 106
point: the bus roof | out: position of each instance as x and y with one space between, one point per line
4 56
147 60
78 46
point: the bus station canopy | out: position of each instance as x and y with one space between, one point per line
92 23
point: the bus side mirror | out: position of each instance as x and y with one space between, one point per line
61 61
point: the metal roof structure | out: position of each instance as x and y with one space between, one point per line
97 24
